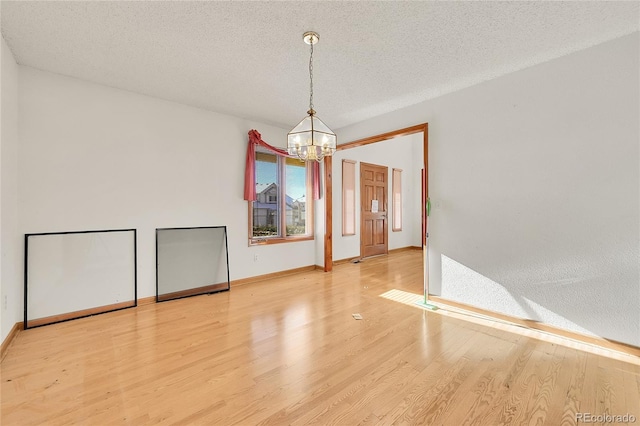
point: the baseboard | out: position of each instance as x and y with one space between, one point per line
146 300
193 291
401 249
540 326
343 261
272 275
392 251
17 327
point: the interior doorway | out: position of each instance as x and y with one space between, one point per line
374 237
328 184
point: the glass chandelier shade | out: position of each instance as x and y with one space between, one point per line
311 139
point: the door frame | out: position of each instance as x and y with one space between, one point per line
386 208
328 210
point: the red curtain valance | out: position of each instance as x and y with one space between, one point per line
250 168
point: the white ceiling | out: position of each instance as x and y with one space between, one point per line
248 58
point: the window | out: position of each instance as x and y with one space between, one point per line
348 197
397 200
283 189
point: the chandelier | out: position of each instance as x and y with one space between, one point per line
311 139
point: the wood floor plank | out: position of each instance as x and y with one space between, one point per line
560 366
588 403
520 387
501 386
361 407
288 351
631 378
610 397
576 390
475 394
443 354
443 375
546 378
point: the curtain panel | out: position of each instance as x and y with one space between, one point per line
250 167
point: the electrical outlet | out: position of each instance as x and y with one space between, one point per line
255 257
4 303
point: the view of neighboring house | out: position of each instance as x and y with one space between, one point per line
265 209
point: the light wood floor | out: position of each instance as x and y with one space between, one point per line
287 351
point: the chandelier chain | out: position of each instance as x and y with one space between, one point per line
311 139
311 77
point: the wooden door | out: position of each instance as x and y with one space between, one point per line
373 224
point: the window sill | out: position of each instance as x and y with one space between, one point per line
271 240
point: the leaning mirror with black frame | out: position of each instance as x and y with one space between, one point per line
191 261
75 274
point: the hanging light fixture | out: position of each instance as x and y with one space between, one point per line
311 139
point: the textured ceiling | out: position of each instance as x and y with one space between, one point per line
248 58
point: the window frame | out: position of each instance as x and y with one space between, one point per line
309 204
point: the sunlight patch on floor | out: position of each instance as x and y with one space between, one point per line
402 297
412 299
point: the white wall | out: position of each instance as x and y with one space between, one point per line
11 240
536 176
398 153
92 157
